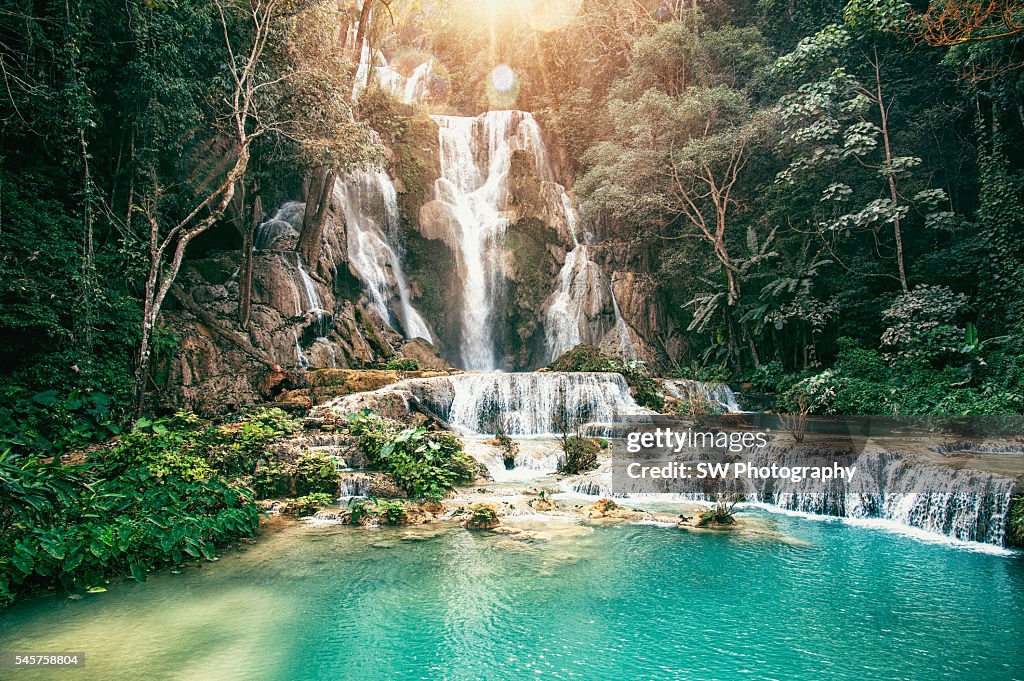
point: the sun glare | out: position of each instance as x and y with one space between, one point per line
541 15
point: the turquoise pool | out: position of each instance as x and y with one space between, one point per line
801 599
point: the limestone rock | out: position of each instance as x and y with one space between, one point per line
425 354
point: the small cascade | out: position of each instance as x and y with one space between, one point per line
354 485
321 324
370 203
627 348
409 90
285 222
527 403
718 394
301 361
476 155
574 309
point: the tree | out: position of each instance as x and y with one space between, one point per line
321 121
241 111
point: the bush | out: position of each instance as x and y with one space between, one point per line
403 364
1015 524
390 511
481 516
580 455
313 473
424 463
50 423
307 505
272 480
719 514
75 527
766 378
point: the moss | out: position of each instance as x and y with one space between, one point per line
434 287
535 268
417 164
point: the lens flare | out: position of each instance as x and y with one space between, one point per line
503 78
502 87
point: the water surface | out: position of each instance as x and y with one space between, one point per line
331 603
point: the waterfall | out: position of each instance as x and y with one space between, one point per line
409 90
307 297
527 403
373 247
964 504
573 312
284 222
476 155
718 394
575 307
627 349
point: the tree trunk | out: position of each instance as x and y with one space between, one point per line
245 275
893 193
364 24
318 201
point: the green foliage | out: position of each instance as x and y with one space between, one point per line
390 511
75 527
402 364
272 480
719 514
51 422
580 455
481 516
1015 525
307 505
166 492
922 325
424 463
864 382
314 473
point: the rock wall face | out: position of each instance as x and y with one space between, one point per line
394 275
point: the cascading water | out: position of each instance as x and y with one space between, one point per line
373 247
542 403
578 300
476 156
411 89
284 222
717 394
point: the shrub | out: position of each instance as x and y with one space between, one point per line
76 527
580 455
424 463
313 473
272 480
393 512
390 511
307 505
481 516
922 324
51 422
719 514
403 364
1015 524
